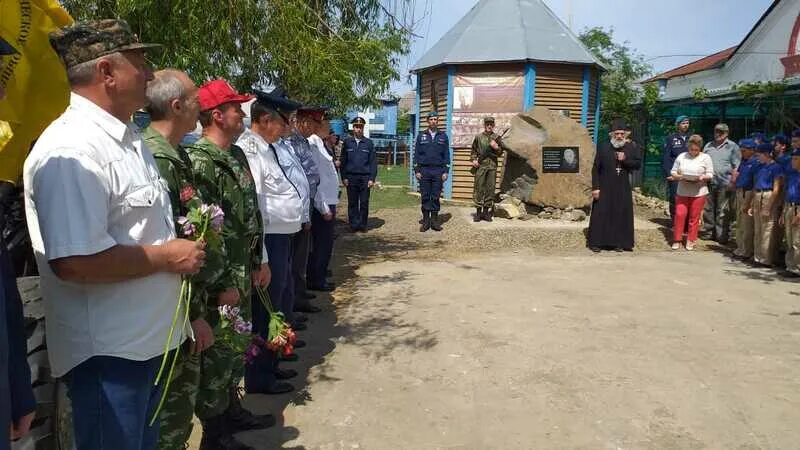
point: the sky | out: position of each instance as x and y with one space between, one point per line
656 29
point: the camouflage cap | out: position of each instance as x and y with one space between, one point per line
85 41
488 120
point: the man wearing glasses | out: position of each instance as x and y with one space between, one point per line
717 213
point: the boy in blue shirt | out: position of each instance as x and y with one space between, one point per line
743 181
791 214
765 206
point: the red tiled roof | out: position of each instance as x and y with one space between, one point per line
709 62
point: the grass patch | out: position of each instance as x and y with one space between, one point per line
393 175
392 198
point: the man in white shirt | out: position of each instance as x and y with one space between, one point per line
324 213
282 212
101 227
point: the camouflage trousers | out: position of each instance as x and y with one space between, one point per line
483 193
201 385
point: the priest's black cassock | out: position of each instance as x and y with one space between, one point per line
611 222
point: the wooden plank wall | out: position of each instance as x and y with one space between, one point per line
591 122
430 81
560 86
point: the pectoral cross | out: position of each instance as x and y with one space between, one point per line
619 170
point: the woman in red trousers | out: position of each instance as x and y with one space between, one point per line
692 170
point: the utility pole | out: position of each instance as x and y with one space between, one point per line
569 14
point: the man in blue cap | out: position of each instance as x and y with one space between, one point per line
781 152
758 137
674 145
743 180
431 161
359 171
280 201
791 214
765 206
17 403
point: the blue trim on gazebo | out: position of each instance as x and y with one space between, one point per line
451 75
529 93
597 112
585 101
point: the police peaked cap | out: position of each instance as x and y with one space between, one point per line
277 100
764 148
358 121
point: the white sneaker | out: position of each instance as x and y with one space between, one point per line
690 246
676 246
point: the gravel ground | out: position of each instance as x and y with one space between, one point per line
394 233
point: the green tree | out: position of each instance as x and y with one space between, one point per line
621 92
341 53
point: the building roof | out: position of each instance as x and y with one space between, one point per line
709 62
505 31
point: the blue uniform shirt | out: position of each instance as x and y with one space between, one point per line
747 169
432 150
785 161
792 185
674 145
766 175
359 158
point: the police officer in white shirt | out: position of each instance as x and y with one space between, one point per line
102 231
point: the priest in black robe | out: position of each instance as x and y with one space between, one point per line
611 222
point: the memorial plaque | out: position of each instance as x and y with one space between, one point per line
560 160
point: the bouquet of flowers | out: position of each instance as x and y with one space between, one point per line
280 338
202 222
236 333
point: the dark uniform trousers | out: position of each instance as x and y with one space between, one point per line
357 200
301 242
430 186
261 373
321 247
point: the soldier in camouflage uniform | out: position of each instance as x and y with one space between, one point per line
222 172
174 108
486 148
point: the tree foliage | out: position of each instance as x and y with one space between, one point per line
621 92
342 53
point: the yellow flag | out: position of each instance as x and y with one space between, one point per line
35 79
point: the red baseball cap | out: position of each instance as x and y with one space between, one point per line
218 92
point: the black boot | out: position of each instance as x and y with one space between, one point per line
426 221
488 214
240 419
478 214
217 436
435 221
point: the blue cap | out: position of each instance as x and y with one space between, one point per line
781 139
759 136
796 152
680 119
747 143
764 148
796 133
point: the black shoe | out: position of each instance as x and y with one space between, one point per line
307 308
285 374
478 215
241 419
299 326
329 287
279 387
292 357
299 343
426 222
595 249
435 225
309 296
218 436
488 215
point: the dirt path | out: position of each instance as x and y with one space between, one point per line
539 350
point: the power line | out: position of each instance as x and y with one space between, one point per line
690 55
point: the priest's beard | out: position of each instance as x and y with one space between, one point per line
617 143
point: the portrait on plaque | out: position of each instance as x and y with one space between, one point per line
560 160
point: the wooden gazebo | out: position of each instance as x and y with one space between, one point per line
503 57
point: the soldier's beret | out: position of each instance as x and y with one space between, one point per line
85 41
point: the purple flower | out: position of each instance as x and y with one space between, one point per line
242 326
187 228
217 218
